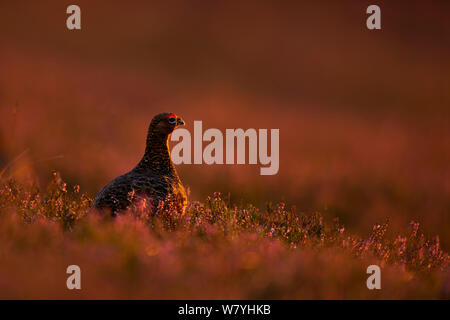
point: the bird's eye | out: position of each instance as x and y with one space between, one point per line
172 120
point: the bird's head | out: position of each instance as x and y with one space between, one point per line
164 123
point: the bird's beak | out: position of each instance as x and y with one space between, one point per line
180 122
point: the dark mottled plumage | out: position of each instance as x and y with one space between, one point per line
154 178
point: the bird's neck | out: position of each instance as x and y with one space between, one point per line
157 156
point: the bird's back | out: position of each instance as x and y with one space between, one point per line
120 193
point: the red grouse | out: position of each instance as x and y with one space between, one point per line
153 179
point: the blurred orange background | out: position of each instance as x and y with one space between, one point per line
363 115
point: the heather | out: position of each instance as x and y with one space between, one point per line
215 250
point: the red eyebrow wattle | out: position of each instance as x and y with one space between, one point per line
171 115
